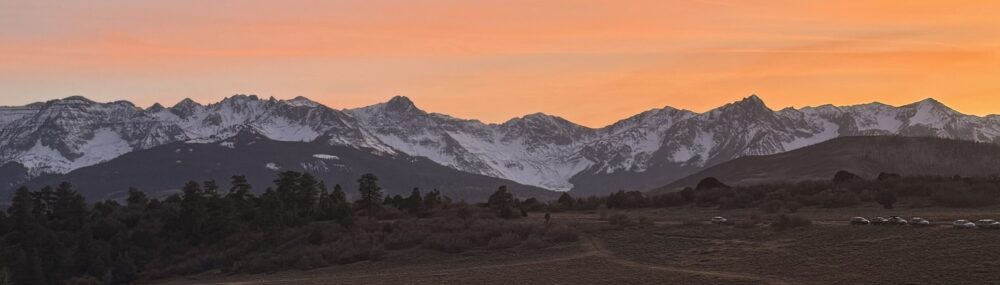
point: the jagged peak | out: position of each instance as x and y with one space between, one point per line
186 103
301 101
542 118
156 107
250 97
752 102
931 104
401 104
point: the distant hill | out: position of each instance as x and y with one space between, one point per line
864 156
161 170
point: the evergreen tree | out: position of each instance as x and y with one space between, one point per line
371 194
136 199
240 189
432 200
210 188
68 208
4 225
193 211
415 203
23 210
502 202
566 201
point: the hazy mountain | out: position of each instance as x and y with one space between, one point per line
865 156
647 150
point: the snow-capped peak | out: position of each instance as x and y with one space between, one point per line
536 149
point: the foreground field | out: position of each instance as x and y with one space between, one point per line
674 250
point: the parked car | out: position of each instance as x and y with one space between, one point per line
898 221
963 224
920 222
719 220
987 224
879 221
858 221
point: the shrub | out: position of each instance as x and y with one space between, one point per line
783 222
886 198
450 243
507 240
405 237
793 206
620 220
770 206
562 233
534 242
646 221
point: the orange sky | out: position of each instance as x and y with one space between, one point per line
592 62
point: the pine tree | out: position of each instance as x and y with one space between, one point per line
211 189
240 189
137 199
23 213
566 201
502 202
193 211
415 203
68 208
371 194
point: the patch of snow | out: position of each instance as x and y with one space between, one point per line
326 157
829 131
272 166
103 146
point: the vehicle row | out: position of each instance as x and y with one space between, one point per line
916 221
891 220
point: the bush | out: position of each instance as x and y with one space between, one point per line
646 221
507 240
783 222
620 220
405 237
770 206
562 233
793 206
450 243
534 242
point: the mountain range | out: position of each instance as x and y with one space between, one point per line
642 152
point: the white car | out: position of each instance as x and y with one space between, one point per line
879 221
857 221
898 221
719 220
920 222
963 224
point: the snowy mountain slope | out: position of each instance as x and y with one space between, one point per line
646 150
163 169
59 136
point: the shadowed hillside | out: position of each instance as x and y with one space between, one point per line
865 156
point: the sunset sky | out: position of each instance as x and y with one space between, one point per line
592 62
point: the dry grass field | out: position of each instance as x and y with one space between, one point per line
673 249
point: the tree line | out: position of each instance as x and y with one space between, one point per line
52 236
